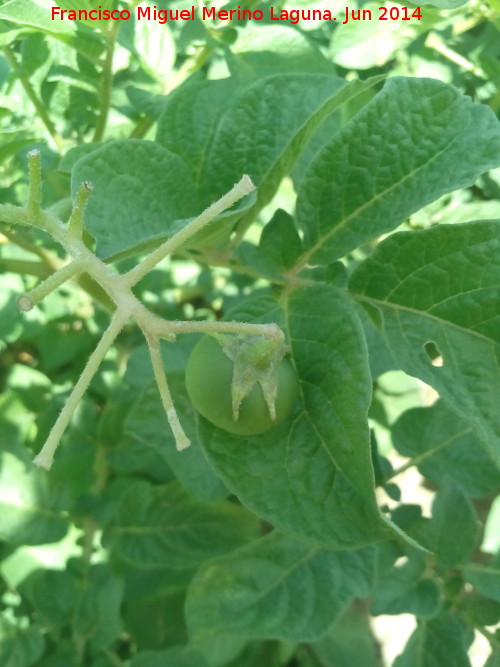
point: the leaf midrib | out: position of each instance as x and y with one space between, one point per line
424 314
345 221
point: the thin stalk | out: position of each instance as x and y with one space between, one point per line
181 439
107 83
35 100
51 261
35 182
75 224
29 299
242 188
118 290
167 328
24 267
45 457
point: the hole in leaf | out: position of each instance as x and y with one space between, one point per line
433 353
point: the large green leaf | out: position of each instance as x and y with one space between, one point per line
20 646
349 642
402 584
312 475
31 511
261 50
191 117
454 525
439 641
97 612
35 15
180 656
441 443
276 587
137 428
165 527
263 129
141 191
437 291
486 579
416 140
372 43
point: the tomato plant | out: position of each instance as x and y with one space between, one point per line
249 335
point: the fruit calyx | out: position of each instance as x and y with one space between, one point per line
256 359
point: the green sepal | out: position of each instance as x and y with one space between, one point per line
255 359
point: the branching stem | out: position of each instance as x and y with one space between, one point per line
242 188
29 299
44 458
181 440
118 289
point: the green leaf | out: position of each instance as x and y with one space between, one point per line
401 586
320 457
97 614
439 641
35 15
53 593
180 656
270 124
264 129
350 642
280 243
441 443
485 579
275 587
278 248
166 607
190 119
436 292
444 4
454 525
480 610
75 5
264 49
372 43
154 46
160 527
494 658
30 511
20 647
416 140
144 440
140 191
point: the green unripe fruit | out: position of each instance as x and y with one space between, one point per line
209 376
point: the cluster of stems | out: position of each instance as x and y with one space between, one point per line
119 289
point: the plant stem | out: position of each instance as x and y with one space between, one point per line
35 182
163 327
24 267
107 82
45 457
242 188
75 224
35 100
51 262
29 299
118 289
181 440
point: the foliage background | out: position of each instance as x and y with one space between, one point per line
131 553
